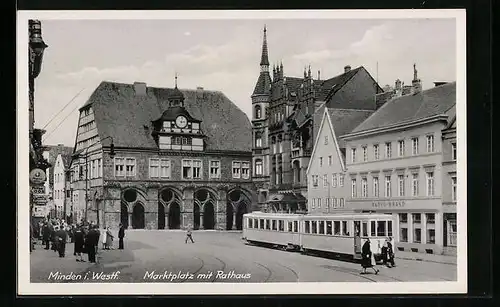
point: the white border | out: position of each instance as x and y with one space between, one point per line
25 287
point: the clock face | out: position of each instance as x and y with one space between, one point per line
181 122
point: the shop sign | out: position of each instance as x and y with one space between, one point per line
38 190
39 200
37 176
388 204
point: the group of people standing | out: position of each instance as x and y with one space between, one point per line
368 258
84 235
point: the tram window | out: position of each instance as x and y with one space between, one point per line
274 225
250 223
281 225
365 229
372 224
268 224
345 231
261 223
255 223
295 226
389 228
329 227
307 229
380 228
336 228
314 228
290 227
321 227
357 230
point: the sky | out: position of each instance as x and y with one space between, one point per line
224 55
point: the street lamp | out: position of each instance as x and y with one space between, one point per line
111 154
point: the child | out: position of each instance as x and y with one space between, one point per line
189 235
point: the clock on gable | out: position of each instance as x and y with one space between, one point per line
181 121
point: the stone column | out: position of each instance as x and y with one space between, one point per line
167 209
423 228
233 226
129 218
187 208
438 231
151 209
410 228
220 210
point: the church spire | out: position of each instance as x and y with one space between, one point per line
264 59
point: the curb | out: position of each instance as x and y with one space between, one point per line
425 260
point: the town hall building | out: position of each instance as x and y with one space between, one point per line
162 158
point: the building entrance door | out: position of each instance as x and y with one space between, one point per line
452 233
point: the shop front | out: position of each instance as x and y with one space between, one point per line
418 222
449 229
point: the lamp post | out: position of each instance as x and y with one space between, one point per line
111 154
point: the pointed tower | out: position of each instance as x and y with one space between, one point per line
260 145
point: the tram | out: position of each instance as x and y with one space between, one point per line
341 234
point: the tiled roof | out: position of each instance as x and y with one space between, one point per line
263 85
127 117
344 121
434 101
173 112
54 151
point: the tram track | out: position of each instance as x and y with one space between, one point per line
222 269
267 269
199 269
291 270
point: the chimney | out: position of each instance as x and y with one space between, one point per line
416 84
319 75
398 89
439 83
347 69
140 88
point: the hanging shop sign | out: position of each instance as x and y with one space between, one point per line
37 176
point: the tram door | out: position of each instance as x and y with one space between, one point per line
357 240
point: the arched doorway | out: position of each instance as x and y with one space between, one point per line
161 216
204 200
124 215
208 216
174 216
138 216
170 199
237 205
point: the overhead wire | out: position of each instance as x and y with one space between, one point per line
63 108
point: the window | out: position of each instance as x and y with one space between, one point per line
353 155
430 218
381 228
430 143
334 180
453 151
375 187
376 151
258 167
320 161
68 193
250 223
307 227
417 218
197 167
330 160
336 228
314 227
326 139
245 170
268 224
414 184
364 229
401 185
236 169
100 167
154 168
388 150
215 169
187 169
414 146
353 188
345 230
389 228
274 226
403 217
341 180
373 232
365 154
454 188
431 236
261 223
258 112
321 227
417 235
119 167
403 234
258 139
319 203
315 180
281 225
364 187
329 227
165 168
401 148
130 167
430 183
387 186
295 226
325 180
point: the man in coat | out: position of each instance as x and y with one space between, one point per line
61 236
91 242
121 235
46 235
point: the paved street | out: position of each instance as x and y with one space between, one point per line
162 256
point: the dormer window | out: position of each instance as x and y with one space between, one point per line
166 126
195 126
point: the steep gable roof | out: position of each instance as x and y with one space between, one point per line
127 117
344 121
54 152
263 85
435 101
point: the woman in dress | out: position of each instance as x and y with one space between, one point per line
104 240
109 238
368 260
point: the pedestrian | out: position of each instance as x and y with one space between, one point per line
46 235
368 260
121 235
189 235
79 238
109 239
54 238
104 240
62 237
91 242
390 253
